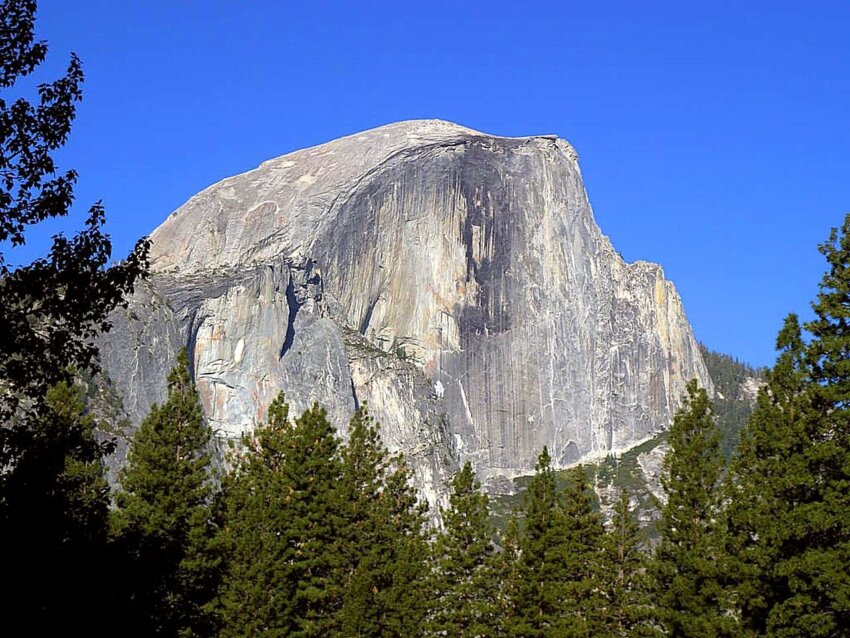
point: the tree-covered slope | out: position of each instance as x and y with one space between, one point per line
736 385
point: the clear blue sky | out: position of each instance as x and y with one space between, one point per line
713 136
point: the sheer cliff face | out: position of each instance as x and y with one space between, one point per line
454 281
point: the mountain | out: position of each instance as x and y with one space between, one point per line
454 281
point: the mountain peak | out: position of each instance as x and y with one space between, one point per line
454 281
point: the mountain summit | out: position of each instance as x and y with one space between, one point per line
455 281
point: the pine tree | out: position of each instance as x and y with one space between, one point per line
819 572
162 517
582 556
406 553
365 463
764 485
381 540
790 519
464 582
628 611
54 524
254 599
509 575
689 590
538 590
281 519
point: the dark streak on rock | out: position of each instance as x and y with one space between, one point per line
364 324
354 395
294 306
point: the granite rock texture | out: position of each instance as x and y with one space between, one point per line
453 280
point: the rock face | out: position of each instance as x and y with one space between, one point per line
455 281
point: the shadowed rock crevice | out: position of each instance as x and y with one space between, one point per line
294 305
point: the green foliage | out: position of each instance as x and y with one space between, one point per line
789 518
53 522
464 585
363 573
538 588
687 567
582 556
162 516
556 591
759 493
381 539
282 516
628 610
320 539
51 309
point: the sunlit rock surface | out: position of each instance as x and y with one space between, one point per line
453 280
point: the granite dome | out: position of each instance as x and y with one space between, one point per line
455 281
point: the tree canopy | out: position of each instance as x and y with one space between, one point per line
51 309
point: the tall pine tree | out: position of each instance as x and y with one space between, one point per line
628 611
381 540
365 463
538 588
582 555
406 554
162 518
464 580
281 519
766 480
689 591
819 572
790 519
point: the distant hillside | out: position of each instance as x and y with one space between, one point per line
736 385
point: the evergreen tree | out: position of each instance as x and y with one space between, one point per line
254 599
819 571
381 540
789 518
761 498
464 583
509 574
162 517
582 555
281 519
365 463
406 553
54 524
538 588
628 612
689 590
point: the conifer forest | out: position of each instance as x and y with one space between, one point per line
297 531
